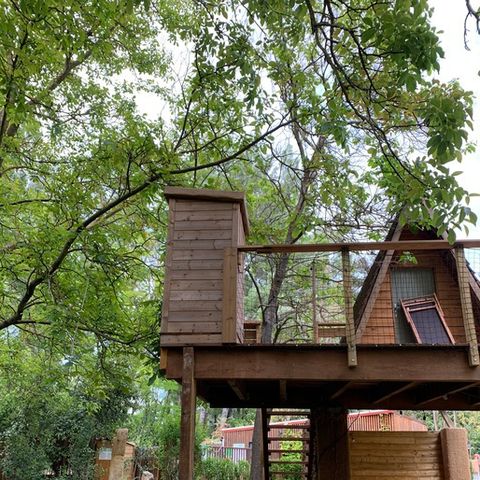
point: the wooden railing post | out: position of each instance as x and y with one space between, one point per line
229 308
314 303
348 296
467 310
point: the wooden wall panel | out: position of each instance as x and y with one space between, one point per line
380 326
202 224
201 230
396 456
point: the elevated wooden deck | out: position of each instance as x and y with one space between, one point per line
357 363
396 377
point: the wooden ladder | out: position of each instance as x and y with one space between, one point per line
280 459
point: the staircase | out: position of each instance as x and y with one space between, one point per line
286 444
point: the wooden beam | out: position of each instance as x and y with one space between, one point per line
348 298
340 391
310 363
390 391
229 306
446 419
358 246
188 402
239 389
443 391
282 387
467 310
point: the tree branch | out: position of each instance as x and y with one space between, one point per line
38 278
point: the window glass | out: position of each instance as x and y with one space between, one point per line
409 283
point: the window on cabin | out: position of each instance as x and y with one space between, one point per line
407 283
426 319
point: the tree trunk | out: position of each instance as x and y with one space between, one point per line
223 418
256 468
270 312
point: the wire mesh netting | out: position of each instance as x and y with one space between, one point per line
301 294
400 297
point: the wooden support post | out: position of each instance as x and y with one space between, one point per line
229 309
467 311
265 456
118 465
188 400
329 445
314 303
350 325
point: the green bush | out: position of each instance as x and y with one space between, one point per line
292 471
168 451
223 469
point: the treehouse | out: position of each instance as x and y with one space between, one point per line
390 324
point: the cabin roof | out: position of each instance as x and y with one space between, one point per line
367 413
383 259
203 194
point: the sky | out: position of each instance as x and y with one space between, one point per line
449 16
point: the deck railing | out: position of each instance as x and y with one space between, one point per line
318 285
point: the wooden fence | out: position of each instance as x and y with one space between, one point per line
396 455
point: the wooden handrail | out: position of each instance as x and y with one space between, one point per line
359 246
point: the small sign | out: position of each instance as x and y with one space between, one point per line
105 453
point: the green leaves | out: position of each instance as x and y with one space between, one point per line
83 221
447 110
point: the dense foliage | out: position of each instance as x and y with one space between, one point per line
223 469
326 112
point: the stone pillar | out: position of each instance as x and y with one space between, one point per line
329 448
117 464
456 463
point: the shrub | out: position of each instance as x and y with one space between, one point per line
291 471
223 469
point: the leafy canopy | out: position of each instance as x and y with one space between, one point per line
322 110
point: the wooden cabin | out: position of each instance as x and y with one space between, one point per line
407 338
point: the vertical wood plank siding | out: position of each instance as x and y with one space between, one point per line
199 231
380 327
